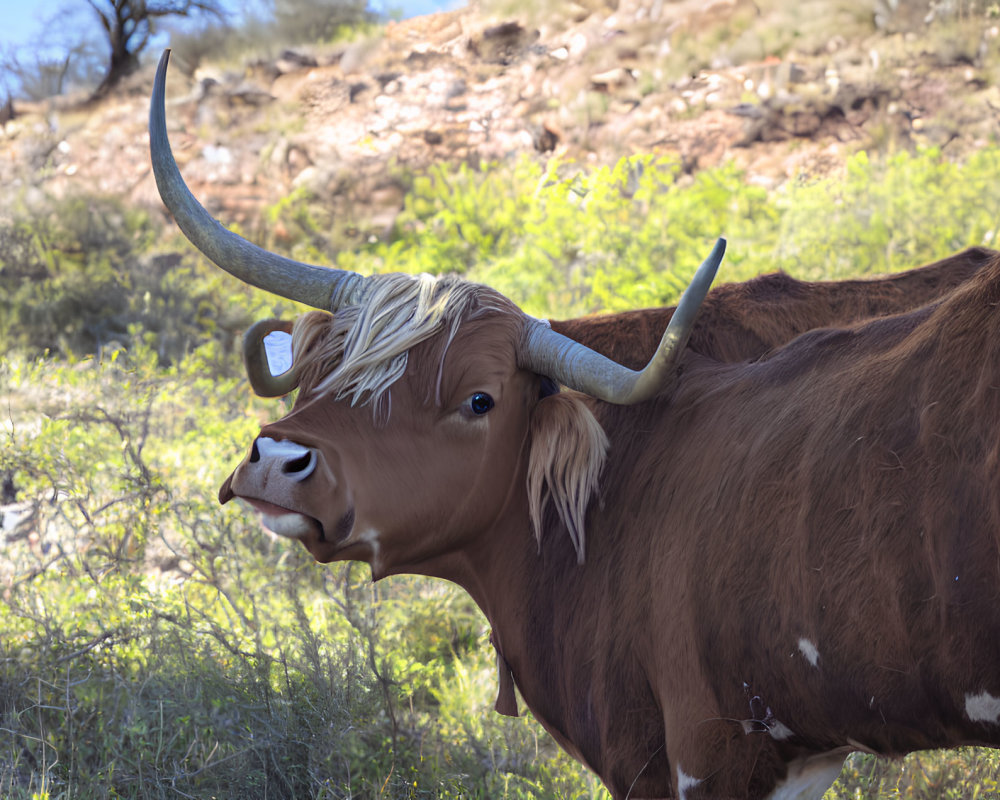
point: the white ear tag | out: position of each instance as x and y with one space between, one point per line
278 349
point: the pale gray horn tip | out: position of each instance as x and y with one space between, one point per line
705 274
159 79
719 250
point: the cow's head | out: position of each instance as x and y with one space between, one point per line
427 411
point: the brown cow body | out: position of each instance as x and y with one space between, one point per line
824 563
787 563
785 550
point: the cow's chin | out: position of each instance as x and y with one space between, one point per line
324 545
283 522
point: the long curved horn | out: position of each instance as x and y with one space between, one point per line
319 287
558 357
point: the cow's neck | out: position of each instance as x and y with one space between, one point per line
517 589
497 570
511 582
547 613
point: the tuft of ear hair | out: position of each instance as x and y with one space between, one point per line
568 451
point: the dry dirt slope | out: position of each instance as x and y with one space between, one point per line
780 91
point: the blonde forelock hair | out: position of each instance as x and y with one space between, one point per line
361 350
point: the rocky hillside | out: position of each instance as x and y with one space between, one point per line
781 92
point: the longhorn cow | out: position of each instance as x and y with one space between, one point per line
712 577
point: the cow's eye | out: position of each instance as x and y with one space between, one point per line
480 403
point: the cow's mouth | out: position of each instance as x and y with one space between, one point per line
284 521
296 525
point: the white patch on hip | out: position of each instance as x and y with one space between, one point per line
809 778
290 525
685 783
983 707
808 649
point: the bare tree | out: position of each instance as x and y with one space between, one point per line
47 66
7 112
128 24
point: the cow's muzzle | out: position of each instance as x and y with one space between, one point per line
270 479
286 483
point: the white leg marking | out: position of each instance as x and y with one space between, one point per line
808 649
685 783
983 707
809 778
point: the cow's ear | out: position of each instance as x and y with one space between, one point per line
568 450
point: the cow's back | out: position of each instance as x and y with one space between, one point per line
742 321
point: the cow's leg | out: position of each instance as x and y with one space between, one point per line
707 759
745 766
717 759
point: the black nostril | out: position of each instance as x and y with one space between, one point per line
293 460
297 464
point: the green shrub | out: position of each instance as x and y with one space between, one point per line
80 275
889 215
322 21
563 241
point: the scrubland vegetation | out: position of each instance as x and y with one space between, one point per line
154 644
